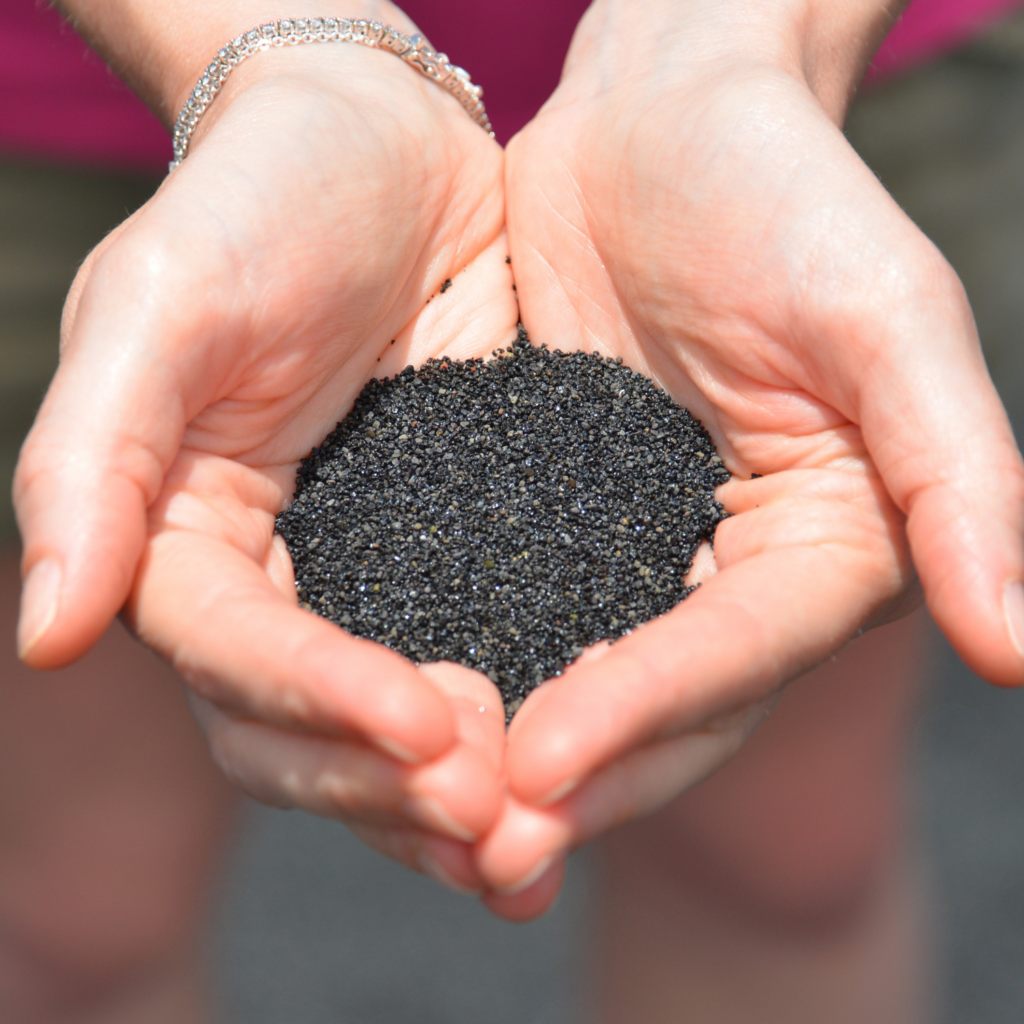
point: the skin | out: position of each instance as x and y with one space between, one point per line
201 408
744 259
750 263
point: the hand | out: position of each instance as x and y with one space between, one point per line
208 344
686 201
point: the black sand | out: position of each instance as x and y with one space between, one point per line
503 514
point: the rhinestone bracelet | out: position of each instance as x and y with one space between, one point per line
414 50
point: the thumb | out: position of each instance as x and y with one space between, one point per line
944 446
91 465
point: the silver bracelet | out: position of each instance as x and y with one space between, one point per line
414 50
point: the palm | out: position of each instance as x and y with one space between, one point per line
293 299
303 299
728 244
719 257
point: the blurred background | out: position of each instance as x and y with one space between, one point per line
313 927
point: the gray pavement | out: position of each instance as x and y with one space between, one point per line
970 782
318 929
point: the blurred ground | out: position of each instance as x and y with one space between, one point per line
970 780
318 929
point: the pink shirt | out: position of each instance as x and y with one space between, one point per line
58 101
929 28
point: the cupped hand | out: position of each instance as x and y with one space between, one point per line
692 206
208 344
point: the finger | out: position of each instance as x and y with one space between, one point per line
91 465
478 708
205 601
704 566
800 570
645 780
941 439
523 845
108 428
448 862
455 795
533 901
527 840
238 643
279 569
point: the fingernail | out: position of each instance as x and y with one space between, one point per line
1013 609
428 811
560 792
396 750
40 597
529 879
432 868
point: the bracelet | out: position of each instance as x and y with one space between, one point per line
414 50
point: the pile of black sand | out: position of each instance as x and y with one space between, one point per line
503 514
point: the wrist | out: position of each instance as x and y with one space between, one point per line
826 44
162 47
837 42
413 50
